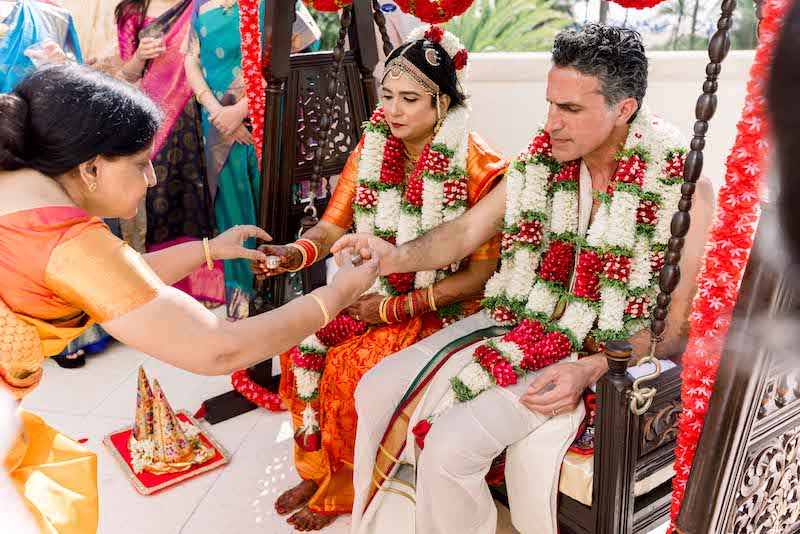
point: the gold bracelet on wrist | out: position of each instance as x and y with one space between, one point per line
302 255
323 307
431 299
382 310
207 250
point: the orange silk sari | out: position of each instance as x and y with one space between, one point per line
60 272
331 467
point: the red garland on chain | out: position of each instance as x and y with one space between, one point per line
434 11
729 247
252 64
637 4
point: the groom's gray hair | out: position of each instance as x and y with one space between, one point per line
615 55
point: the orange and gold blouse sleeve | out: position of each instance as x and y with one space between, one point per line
340 207
485 167
100 274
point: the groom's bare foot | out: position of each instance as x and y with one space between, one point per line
295 498
306 521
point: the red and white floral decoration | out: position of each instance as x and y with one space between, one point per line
727 253
615 276
252 65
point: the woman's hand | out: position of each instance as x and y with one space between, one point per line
150 48
291 258
228 119
229 244
367 309
243 135
354 281
385 251
48 52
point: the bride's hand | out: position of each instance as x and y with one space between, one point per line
229 244
290 258
354 281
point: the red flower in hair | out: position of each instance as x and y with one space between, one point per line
435 33
460 59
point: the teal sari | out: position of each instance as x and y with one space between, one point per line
233 174
29 23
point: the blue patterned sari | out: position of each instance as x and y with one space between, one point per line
31 22
233 172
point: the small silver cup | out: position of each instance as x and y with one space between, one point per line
273 262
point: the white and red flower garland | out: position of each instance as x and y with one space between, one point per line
727 253
252 64
436 191
615 273
308 363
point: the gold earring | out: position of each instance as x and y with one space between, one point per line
93 187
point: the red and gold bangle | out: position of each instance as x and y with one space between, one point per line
312 252
309 252
393 314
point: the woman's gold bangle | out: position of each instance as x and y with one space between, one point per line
431 299
382 310
323 307
207 250
200 94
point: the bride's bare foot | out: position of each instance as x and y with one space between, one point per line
305 520
295 498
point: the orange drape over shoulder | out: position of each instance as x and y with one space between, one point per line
60 272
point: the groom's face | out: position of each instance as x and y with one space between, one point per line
579 120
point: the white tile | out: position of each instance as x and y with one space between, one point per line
260 470
79 391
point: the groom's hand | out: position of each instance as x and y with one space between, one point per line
386 252
569 381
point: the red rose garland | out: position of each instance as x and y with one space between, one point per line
252 64
730 243
637 4
434 11
328 5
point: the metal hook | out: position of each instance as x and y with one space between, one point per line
642 397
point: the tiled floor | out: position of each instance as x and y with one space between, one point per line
100 398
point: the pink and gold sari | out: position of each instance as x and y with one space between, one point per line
180 208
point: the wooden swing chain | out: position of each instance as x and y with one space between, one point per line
326 121
718 48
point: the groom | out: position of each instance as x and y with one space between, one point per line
611 209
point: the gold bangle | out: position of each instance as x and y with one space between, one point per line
323 307
382 310
431 299
302 254
207 250
199 95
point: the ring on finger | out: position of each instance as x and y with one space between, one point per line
555 412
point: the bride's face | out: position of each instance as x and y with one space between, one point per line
409 111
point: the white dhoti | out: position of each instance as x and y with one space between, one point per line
447 479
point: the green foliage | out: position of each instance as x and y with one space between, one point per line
509 25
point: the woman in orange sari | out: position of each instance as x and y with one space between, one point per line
76 145
415 167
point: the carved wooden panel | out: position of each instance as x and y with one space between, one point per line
660 427
781 391
769 494
345 127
